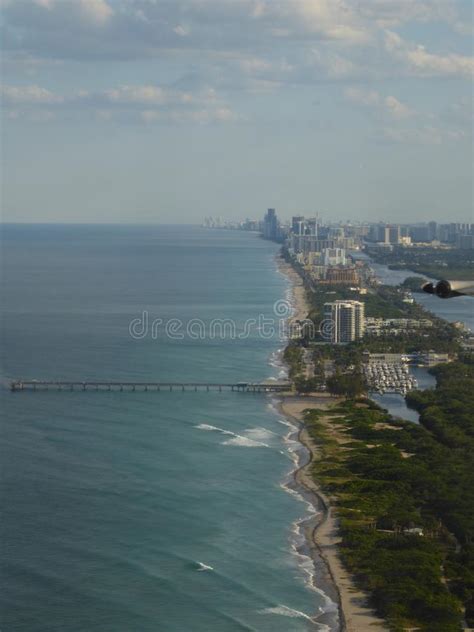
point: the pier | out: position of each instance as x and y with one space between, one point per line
89 385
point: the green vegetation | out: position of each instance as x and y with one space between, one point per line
434 262
293 357
405 497
448 414
404 492
350 384
310 385
414 283
384 302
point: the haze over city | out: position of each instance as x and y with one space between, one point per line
143 111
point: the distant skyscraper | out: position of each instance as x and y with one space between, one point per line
433 231
393 235
270 225
334 256
347 319
297 224
312 225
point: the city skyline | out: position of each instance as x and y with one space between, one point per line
165 112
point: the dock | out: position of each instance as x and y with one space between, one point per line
127 386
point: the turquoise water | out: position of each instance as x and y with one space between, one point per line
115 504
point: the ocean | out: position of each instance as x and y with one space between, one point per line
147 511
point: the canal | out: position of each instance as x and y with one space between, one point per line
456 309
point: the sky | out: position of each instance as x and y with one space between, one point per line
172 110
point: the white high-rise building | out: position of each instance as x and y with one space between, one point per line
344 321
334 256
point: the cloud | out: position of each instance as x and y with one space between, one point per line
93 11
423 63
147 103
97 11
239 44
202 116
330 19
144 28
392 13
29 95
152 95
388 105
426 135
397 109
362 97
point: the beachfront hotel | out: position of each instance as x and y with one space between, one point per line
347 318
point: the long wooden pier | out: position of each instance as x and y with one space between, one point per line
245 387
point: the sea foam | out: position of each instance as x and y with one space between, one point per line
285 611
247 440
203 567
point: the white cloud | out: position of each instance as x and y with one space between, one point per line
239 44
139 28
224 114
181 30
148 103
392 13
396 108
421 62
432 64
137 95
97 11
29 95
331 19
362 97
388 105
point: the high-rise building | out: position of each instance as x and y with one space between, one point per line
334 256
312 226
465 242
420 232
345 275
270 225
393 235
346 319
297 225
433 232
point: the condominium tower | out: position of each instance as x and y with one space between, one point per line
344 321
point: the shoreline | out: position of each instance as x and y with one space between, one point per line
299 301
321 530
354 613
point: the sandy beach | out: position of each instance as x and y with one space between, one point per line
299 300
354 613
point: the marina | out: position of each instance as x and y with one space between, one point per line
390 378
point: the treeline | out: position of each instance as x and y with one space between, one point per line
388 302
405 496
448 413
293 357
414 283
453 263
384 301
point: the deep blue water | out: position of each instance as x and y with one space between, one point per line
111 500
